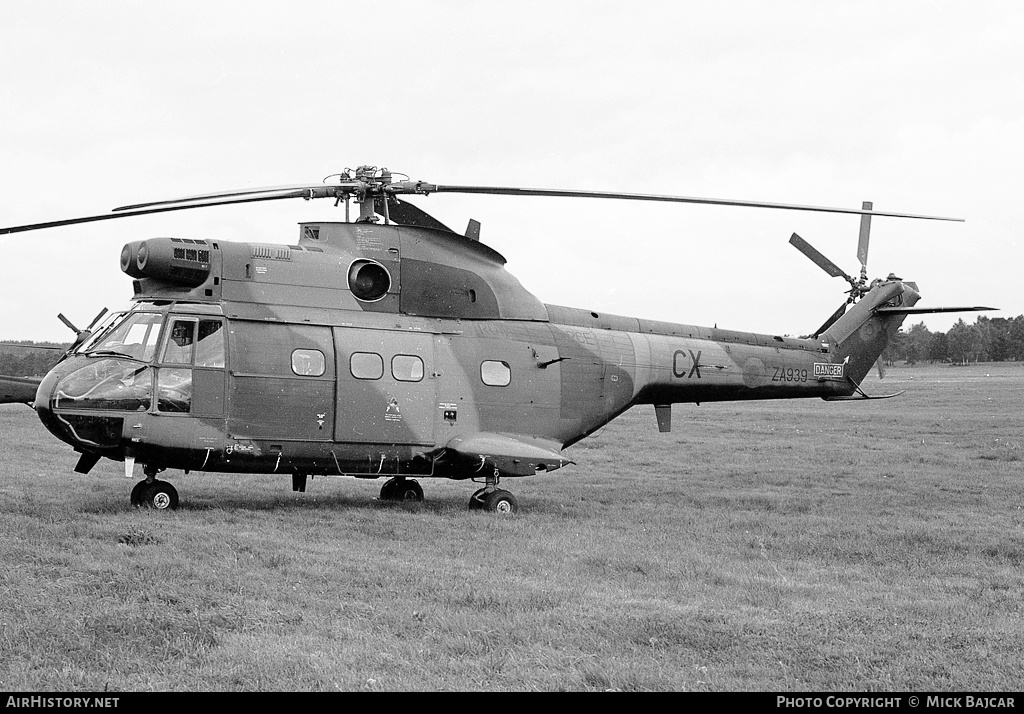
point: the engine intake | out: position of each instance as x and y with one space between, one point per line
368 280
182 261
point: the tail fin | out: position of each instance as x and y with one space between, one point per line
861 335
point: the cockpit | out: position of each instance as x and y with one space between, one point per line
141 359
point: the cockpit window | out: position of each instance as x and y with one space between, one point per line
181 342
136 337
193 341
210 347
106 384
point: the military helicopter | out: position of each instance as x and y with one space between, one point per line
389 346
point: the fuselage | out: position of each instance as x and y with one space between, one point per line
369 350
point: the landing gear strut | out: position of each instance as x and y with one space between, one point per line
491 498
401 489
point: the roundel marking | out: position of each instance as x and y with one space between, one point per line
754 372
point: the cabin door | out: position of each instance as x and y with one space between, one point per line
386 387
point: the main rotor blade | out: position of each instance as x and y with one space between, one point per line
126 213
831 320
293 191
820 260
510 191
5 345
373 185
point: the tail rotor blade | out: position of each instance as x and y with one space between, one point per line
862 244
820 260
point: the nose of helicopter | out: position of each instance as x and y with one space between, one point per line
94 432
43 406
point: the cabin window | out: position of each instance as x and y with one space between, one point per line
309 363
366 365
264 348
495 373
407 368
174 390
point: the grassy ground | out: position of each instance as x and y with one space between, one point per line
765 546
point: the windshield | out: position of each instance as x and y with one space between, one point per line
106 384
134 335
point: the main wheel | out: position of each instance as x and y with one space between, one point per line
408 490
501 501
161 496
401 489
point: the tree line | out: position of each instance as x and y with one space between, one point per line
995 339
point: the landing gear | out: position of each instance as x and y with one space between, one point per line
155 494
496 500
499 501
401 489
151 492
161 496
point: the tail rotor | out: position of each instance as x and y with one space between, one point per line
858 287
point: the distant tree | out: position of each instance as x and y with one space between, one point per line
918 343
996 332
1015 338
965 342
938 347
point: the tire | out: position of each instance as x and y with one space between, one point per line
408 490
501 501
395 489
161 495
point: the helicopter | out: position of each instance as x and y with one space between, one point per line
390 346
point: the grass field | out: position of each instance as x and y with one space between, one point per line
764 546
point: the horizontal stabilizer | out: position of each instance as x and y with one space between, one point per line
926 310
512 455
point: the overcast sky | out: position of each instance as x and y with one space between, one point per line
916 106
